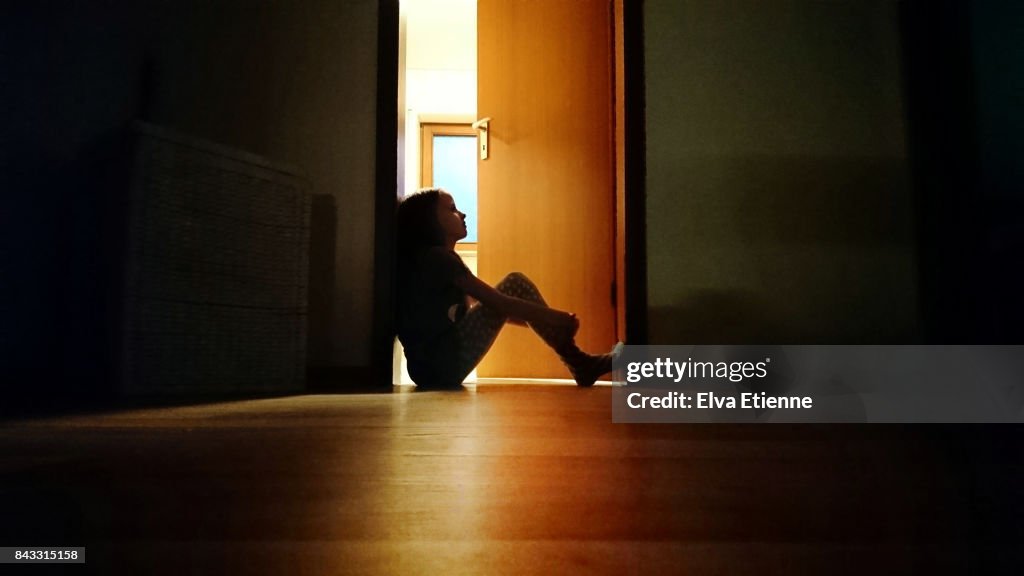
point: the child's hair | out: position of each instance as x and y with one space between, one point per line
417 221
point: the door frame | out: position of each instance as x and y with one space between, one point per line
389 108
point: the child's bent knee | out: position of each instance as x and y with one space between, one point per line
515 277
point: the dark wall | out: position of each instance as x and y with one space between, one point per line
291 81
779 204
997 30
964 82
74 76
834 172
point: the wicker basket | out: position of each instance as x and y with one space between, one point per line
216 270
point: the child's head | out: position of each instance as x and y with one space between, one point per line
417 221
427 218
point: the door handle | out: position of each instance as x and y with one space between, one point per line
483 125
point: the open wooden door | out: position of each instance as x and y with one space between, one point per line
547 189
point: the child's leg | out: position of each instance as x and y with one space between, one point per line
585 368
519 286
479 328
476 332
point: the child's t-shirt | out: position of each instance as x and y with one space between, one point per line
429 302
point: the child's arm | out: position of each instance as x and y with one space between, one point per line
514 308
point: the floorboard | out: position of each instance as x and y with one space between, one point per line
500 479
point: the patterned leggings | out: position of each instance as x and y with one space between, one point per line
478 329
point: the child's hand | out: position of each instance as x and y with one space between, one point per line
566 320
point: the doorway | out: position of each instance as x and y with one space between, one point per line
626 278
437 94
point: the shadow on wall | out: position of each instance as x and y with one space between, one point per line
323 229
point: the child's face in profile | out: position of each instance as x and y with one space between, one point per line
453 222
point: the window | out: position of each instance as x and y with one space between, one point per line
448 160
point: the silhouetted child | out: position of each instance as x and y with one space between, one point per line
444 338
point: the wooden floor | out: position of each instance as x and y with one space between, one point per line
501 480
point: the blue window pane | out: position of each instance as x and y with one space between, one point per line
455 171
